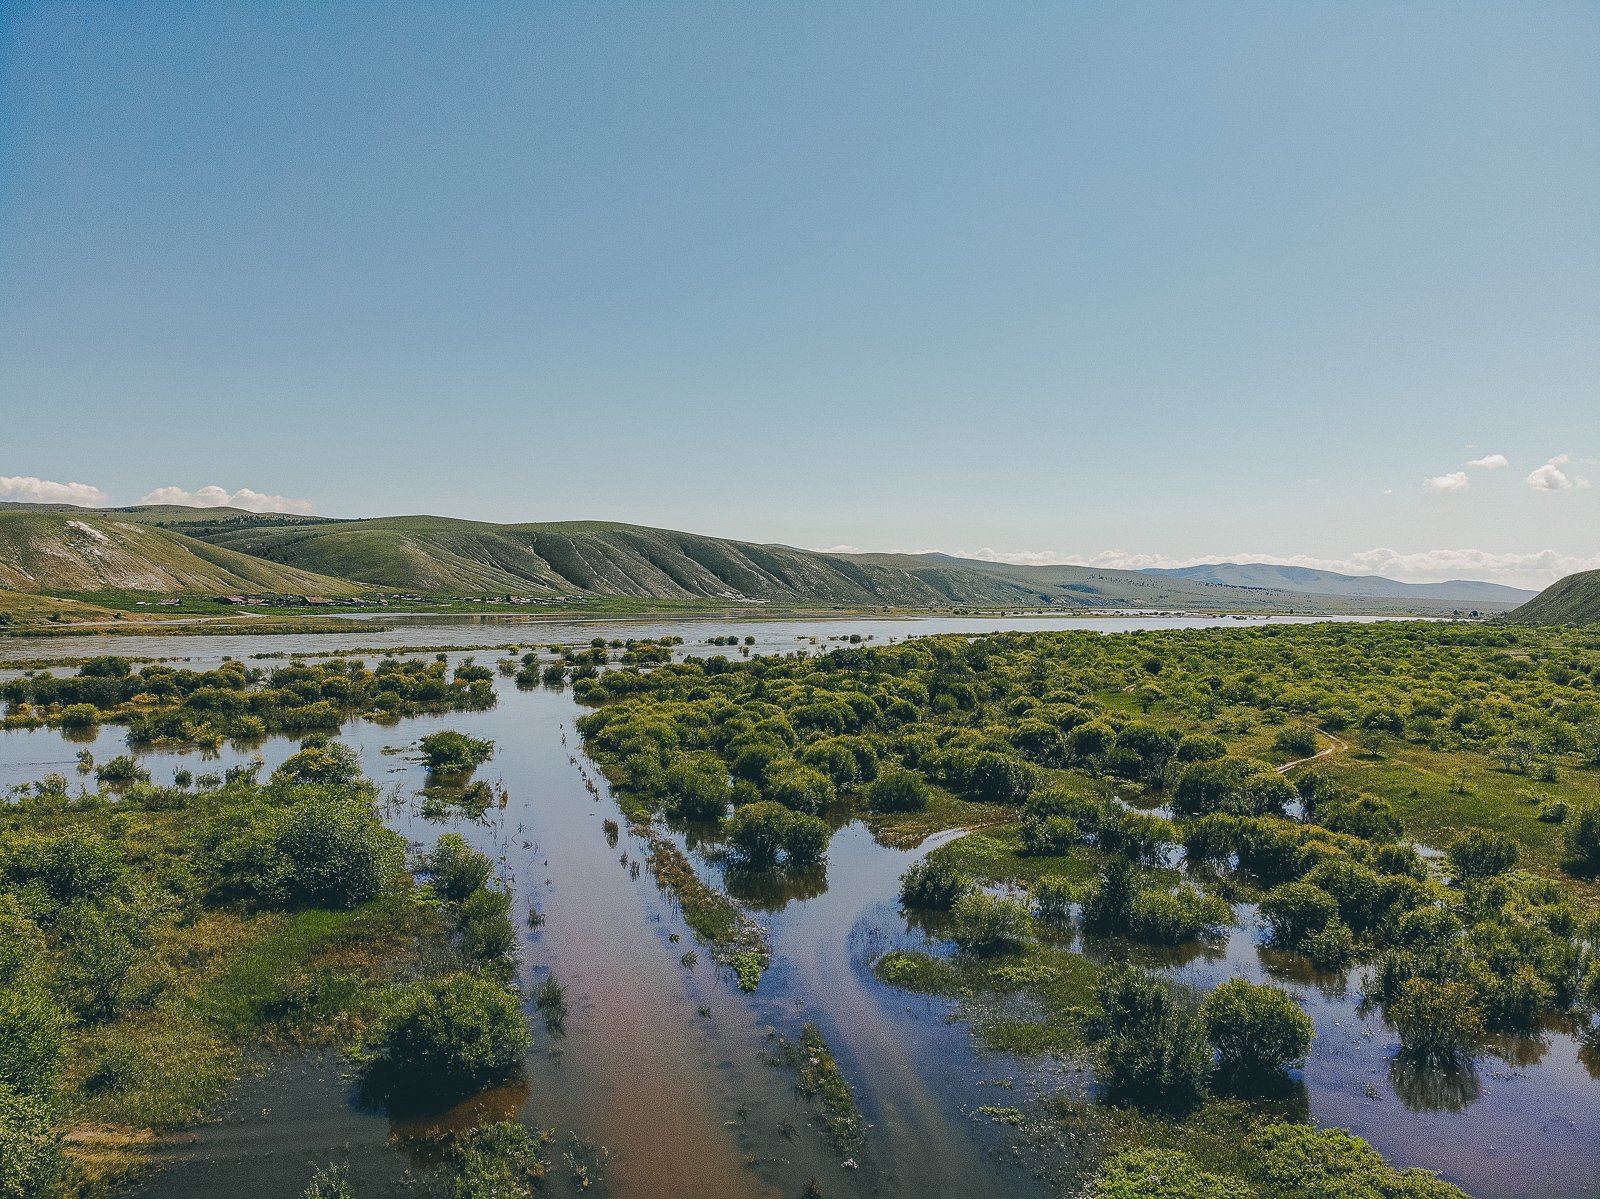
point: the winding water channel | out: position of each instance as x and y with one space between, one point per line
666 1083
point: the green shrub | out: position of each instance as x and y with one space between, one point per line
756 832
448 1037
1438 1022
321 761
799 787
1297 1161
1159 917
335 853
805 840
80 716
450 752
31 1024
1257 1031
1162 1174
1480 852
457 869
30 1150
697 787
934 885
124 768
487 934
1333 946
496 1161
898 791
329 1182
1582 840
1296 740
1297 911
986 925
1155 1054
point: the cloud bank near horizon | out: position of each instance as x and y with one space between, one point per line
30 489
213 496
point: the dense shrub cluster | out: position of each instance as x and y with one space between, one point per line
163 704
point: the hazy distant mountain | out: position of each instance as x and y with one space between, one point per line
1572 600
1327 582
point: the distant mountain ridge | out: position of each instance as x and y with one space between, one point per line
1327 582
165 548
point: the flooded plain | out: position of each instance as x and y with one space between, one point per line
667 1081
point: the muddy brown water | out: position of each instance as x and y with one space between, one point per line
665 1082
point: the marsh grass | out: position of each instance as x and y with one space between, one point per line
818 1077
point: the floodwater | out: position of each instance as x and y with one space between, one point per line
667 1081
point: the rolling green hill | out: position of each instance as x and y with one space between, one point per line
56 548
1572 600
431 555
85 550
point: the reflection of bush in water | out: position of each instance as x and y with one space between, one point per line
1424 1088
1298 968
773 889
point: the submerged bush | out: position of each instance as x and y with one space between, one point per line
933 884
1297 1161
1439 1023
320 760
986 925
1155 1054
450 752
448 1037
496 1161
759 831
457 869
1257 1031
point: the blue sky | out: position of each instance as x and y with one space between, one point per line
1116 282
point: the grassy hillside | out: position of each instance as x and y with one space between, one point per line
88 551
1573 600
429 554
23 609
166 549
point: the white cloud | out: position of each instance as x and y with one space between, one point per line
30 490
1550 476
1491 462
1456 480
841 549
220 497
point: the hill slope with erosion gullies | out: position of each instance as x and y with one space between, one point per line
89 550
162 548
1572 600
428 554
